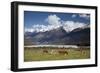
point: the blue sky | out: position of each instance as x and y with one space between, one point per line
40 20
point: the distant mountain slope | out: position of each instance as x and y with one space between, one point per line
78 37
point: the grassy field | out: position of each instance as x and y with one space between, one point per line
53 53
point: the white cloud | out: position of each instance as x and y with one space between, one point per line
84 16
71 25
41 28
37 28
55 22
74 15
29 30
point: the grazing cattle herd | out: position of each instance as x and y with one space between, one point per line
59 51
62 51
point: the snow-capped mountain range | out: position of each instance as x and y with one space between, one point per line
59 36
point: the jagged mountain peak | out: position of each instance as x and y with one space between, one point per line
60 29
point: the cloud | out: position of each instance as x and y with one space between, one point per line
87 16
38 28
74 15
71 25
53 22
41 28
